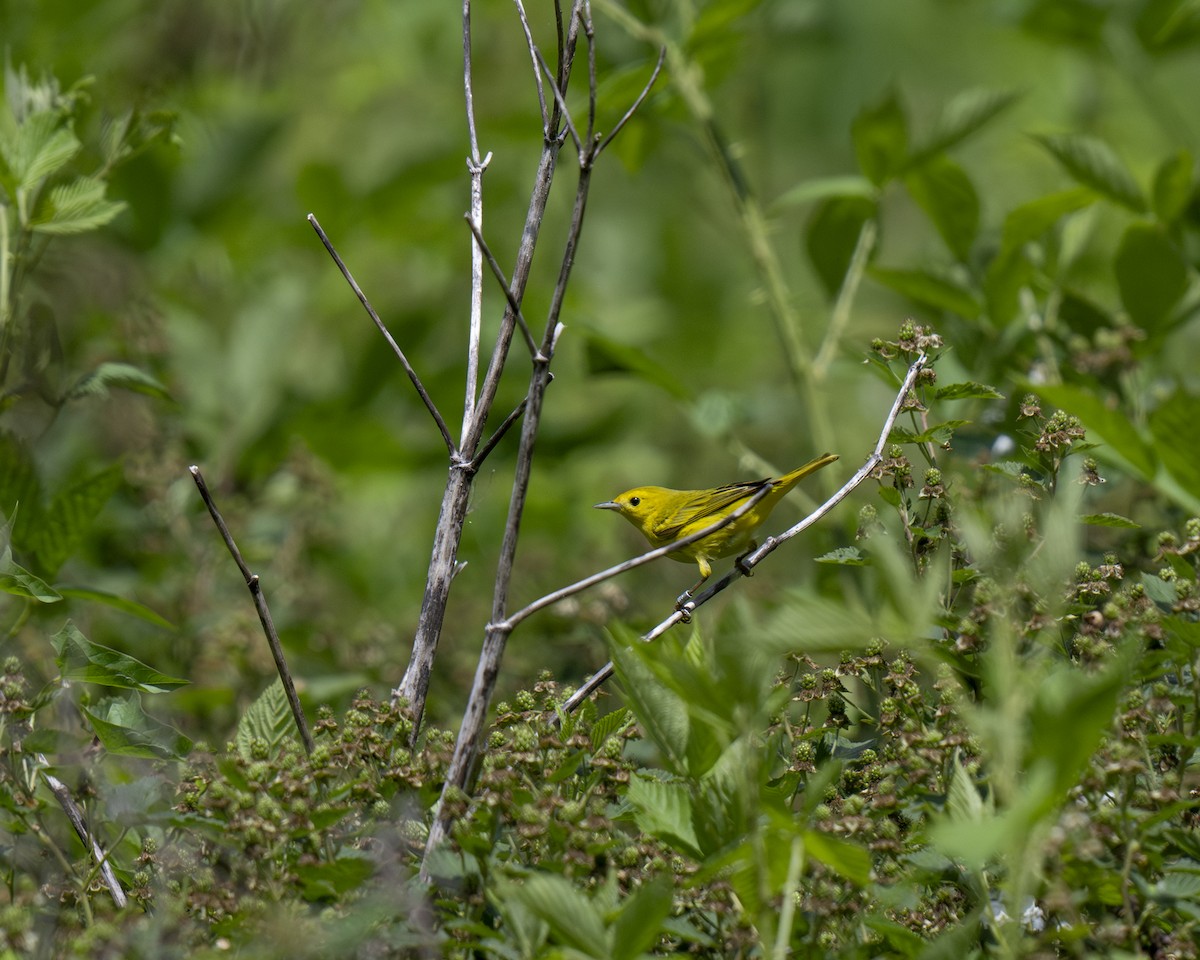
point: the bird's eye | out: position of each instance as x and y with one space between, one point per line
634 501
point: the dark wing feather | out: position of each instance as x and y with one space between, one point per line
706 505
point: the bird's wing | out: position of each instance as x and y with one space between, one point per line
706 507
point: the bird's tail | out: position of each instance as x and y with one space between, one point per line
789 480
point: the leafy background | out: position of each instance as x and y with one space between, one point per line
1026 166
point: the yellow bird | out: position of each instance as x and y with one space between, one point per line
664 515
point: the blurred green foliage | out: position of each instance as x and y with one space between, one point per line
808 173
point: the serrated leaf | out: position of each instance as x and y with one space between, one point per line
1152 274
126 730
640 922
664 810
569 914
124 604
880 134
944 191
75 207
100 381
1174 186
661 714
848 859
78 658
930 290
1093 163
608 725
40 146
1109 520
268 720
964 115
845 557
967 390
20 489
605 355
831 236
939 433
70 515
1031 220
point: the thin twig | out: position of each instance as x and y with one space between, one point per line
585 21
475 167
535 57
562 104
662 57
839 316
79 824
501 430
498 273
751 560
264 612
412 374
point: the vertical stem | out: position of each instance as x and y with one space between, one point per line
476 167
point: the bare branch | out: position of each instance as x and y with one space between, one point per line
585 22
562 104
501 430
535 57
662 58
75 815
751 560
264 613
412 374
498 273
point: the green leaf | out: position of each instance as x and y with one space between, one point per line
1152 274
939 433
608 725
831 237
848 859
75 207
1174 186
1109 424
1175 426
20 489
100 381
571 917
640 922
880 134
268 721
605 355
70 515
968 390
944 191
826 188
19 582
40 146
1031 220
664 810
1093 163
78 658
126 730
327 880
1109 520
964 115
661 713
125 605
930 290
845 557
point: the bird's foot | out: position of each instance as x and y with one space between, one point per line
740 562
685 606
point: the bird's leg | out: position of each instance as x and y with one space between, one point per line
739 562
683 603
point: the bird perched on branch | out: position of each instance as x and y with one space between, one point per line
664 516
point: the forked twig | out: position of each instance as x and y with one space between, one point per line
408 368
498 273
264 613
751 560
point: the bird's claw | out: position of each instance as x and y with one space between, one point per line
684 606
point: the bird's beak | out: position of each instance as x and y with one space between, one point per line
607 505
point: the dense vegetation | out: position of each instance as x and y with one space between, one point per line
957 717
